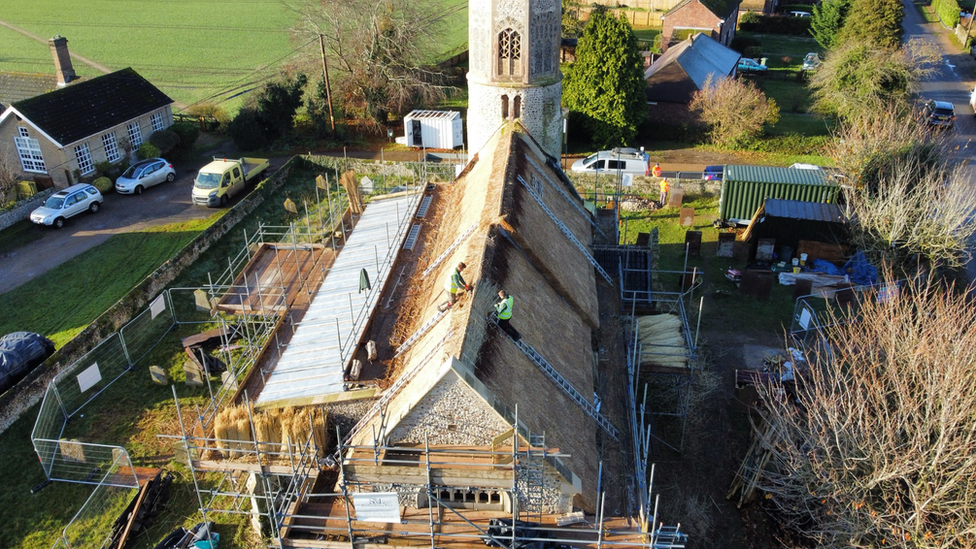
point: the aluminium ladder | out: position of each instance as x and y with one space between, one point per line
565 230
420 332
568 388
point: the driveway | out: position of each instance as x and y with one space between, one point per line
160 205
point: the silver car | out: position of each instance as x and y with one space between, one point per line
144 174
67 203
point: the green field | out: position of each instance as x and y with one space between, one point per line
194 50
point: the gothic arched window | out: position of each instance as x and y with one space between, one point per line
517 107
504 107
509 53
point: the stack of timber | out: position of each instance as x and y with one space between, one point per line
273 431
747 478
662 342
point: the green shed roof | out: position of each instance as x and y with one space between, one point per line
769 174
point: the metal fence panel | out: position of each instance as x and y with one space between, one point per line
143 332
91 527
91 374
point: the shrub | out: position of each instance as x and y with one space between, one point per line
147 150
165 140
948 12
26 189
246 130
743 41
210 111
103 184
188 132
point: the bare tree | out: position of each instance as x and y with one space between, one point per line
734 110
875 448
904 206
379 52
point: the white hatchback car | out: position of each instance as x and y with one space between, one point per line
67 203
143 174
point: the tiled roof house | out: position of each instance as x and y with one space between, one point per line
60 135
715 18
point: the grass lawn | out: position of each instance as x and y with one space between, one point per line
777 46
60 303
722 305
191 49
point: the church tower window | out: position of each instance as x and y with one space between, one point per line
509 53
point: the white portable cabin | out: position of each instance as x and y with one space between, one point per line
434 129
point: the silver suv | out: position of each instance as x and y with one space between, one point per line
67 203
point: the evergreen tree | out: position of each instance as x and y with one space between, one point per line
828 18
874 21
606 83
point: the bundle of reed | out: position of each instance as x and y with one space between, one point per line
348 180
320 431
300 427
662 342
221 423
267 431
285 420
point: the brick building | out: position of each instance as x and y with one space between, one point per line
714 18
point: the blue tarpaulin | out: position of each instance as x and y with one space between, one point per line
860 271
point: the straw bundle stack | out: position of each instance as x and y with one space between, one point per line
662 342
349 182
285 418
220 431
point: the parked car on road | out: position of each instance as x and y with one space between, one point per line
67 203
940 114
750 65
811 61
144 174
623 160
713 173
800 14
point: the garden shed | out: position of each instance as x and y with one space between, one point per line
792 222
745 188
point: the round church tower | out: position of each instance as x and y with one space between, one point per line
513 55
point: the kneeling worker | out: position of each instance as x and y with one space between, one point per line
503 310
456 283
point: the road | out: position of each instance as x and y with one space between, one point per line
953 83
160 205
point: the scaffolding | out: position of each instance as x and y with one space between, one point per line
444 496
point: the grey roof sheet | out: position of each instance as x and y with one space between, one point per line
700 56
797 209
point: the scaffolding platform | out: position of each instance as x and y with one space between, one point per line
313 364
275 270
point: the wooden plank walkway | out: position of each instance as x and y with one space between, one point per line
273 278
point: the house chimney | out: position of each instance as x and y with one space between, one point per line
62 60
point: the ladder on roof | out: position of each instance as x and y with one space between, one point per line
568 198
457 242
420 333
395 388
565 230
424 206
567 388
412 236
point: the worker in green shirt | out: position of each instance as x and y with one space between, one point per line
503 311
455 283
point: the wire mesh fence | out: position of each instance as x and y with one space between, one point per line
92 525
83 380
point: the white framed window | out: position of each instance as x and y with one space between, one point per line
135 134
157 121
29 150
84 158
111 146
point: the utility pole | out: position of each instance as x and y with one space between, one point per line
328 88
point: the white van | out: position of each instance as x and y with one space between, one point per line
619 160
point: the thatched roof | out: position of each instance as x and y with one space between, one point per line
515 246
